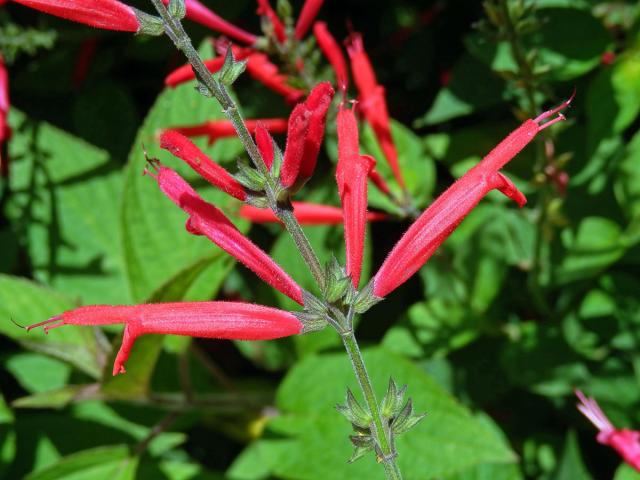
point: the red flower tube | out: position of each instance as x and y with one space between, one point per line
198 13
333 53
625 442
106 14
351 176
224 320
216 129
373 103
438 221
261 69
185 73
265 145
264 9
183 148
84 58
304 136
5 131
305 213
205 219
308 14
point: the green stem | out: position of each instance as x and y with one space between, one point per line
526 71
529 84
379 427
174 30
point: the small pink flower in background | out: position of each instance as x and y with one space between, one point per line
306 213
216 129
307 15
198 13
625 442
442 217
223 320
373 103
333 54
106 14
5 130
205 219
264 9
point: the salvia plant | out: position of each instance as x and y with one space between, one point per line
332 100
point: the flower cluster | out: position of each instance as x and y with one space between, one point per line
279 175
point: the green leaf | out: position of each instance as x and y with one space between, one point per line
571 466
111 462
568 44
57 398
37 373
449 440
592 248
65 202
28 303
627 182
231 69
473 87
625 472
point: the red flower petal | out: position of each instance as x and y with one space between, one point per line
106 14
224 320
184 149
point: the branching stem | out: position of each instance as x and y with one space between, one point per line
283 210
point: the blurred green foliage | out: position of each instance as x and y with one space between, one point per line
517 309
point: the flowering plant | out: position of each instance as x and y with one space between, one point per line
331 160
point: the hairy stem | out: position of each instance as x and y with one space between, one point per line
174 30
379 427
284 211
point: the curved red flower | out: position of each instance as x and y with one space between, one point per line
205 219
223 320
442 217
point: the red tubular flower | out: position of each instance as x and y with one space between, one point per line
373 103
106 14
183 148
333 53
304 136
198 13
438 221
305 213
264 142
5 131
264 9
205 219
351 176
216 129
224 320
84 58
261 69
185 73
308 14
625 442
